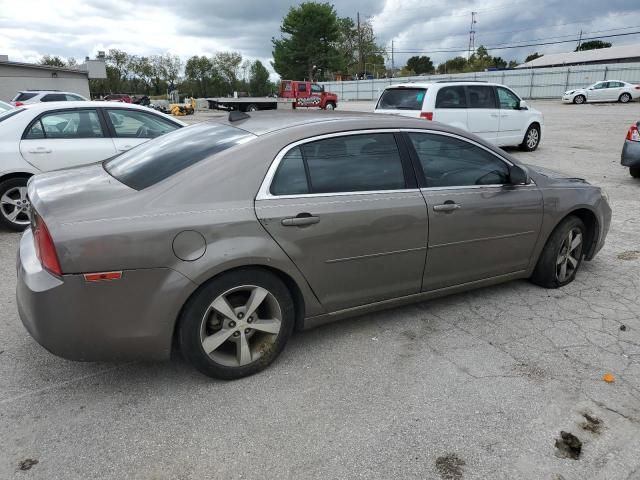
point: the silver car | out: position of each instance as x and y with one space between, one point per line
223 238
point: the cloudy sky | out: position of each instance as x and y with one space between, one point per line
440 29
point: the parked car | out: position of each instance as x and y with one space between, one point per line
27 97
280 221
605 91
51 136
491 111
119 97
631 151
5 106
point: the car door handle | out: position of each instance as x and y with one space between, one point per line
446 207
125 148
300 220
494 114
41 150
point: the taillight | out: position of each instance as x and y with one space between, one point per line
45 249
633 134
426 115
18 104
637 87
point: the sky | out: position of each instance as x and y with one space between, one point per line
30 29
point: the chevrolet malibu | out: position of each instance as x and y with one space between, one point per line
222 238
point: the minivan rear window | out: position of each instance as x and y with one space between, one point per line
22 96
167 155
402 99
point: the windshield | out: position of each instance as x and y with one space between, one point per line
402 99
165 156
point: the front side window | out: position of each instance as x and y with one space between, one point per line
54 97
73 98
70 124
165 156
507 99
402 99
315 88
481 96
601 85
452 162
134 124
451 97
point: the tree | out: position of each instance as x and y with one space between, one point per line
533 56
349 44
453 65
592 45
172 67
199 70
513 64
227 64
55 61
259 84
310 33
420 65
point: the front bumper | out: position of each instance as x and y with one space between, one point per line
630 154
567 99
130 318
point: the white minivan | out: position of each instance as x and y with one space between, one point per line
491 111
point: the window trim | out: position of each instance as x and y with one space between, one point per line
103 126
264 192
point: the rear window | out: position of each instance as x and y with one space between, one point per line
165 156
402 99
22 96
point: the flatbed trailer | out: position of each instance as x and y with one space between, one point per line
251 104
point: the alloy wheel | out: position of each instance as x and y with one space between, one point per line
15 206
569 255
532 138
240 325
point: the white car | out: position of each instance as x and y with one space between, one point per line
605 91
51 136
491 111
4 106
27 97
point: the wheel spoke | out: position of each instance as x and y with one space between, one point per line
573 261
212 342
560 259
221 305
7 200
258 294
13 215
577 240
244 353
563 271
268 326
23 193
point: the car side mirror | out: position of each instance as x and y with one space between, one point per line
518 175
523 105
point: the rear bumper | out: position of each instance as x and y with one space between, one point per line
131 318
630 154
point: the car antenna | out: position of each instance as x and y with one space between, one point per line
236 116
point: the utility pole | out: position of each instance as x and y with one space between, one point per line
579 41
472 35
359 46
393 65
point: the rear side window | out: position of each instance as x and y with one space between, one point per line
134 124
302 87
402 99
72 98
290 179
165 156
451 97
55 97
69 124
481 96
23 96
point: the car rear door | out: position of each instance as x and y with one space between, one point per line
614 90
451 106
483 116
346 209
66 138
480 226
130 127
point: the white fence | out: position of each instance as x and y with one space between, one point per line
528 83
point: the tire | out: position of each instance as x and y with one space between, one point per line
634 172
549 271
579 99
330 106
15 208
202 326
531 139
624 98
251 108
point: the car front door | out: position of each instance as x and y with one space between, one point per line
347 211
66 138
480 226
133 127
598 91
483 116
513 120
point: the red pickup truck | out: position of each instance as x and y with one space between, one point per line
308 94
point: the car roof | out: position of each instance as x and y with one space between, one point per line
47 91
441 83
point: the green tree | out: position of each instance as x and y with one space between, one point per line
199 71
227 64
420 65
453 65
54 61
592 45
350 42
309 37
259 84
533 56
513 64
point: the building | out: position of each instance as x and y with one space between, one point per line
16 76
621 54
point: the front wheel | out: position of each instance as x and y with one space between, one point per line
236 324
531 139
15 209
579 99
330 106
562 255
624 98
634 172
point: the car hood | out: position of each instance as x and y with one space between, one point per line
551 176
575 91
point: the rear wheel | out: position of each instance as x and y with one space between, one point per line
624 98
579 99
251 108
531 139
15 209
635 172
236 324
562 255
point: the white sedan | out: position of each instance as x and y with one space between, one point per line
55 135
604 91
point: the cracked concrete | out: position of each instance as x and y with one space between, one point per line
488 377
